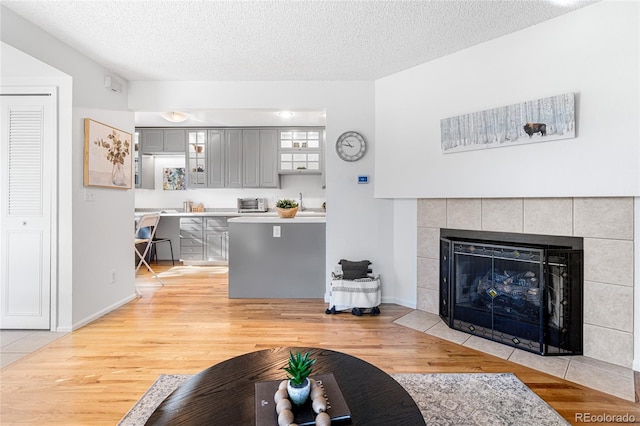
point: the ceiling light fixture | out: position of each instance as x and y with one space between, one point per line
285 114
175 117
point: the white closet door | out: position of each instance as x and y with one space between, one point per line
27 147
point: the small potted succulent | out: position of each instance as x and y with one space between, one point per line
298 369
286 208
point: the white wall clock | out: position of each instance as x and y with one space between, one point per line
351 146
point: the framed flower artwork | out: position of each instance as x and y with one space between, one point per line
107 156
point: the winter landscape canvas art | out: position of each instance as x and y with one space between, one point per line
534 121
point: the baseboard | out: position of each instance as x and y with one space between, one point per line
102 312
402 302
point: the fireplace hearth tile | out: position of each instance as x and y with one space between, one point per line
608 305
429 242
502 215
601 365
464 214
608 261
548 216
428 273
609 345
604 380
604 218
443 331
554 365
432 212
418 320
489 347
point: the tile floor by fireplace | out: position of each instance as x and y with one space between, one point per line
599 375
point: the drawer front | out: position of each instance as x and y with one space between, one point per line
191 256
193 233
217 222
191 223
191 242
190 250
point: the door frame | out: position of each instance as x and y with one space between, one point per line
52 92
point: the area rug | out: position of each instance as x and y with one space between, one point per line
444 399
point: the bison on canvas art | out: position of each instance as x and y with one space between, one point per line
531 128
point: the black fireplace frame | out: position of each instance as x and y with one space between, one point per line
555 329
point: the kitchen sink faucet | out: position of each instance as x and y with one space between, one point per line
300 203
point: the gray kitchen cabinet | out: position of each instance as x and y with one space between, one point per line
143 165
216 239
233 158
196 158
260 161
191 239
251 158
174 140
269 177
215 159
161 141
152 140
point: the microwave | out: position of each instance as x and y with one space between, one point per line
249 205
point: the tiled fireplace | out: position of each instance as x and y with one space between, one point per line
606 226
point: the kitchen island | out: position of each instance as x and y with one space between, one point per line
272 257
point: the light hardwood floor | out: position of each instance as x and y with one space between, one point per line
94 375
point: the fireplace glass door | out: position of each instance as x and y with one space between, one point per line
515 295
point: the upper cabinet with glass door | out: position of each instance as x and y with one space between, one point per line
196 158
300 151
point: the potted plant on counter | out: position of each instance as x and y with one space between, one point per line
286 208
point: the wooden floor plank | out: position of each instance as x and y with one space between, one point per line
94 375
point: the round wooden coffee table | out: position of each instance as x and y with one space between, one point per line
224 394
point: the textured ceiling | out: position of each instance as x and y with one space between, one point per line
277 40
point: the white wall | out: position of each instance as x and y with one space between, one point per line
81 293
592 52
358 225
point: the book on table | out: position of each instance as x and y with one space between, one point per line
337 407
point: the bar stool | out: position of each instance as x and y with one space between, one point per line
146 221
154 252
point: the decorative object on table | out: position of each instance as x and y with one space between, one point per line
298 369
173 179
286 208
329 404
351 146
107 156
539 120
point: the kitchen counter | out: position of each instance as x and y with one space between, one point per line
276 219
227 213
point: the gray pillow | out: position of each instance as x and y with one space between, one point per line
354 270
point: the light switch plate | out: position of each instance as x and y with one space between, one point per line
276 231
89 195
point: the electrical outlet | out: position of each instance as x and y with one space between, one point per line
338 270
114 276
276 231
